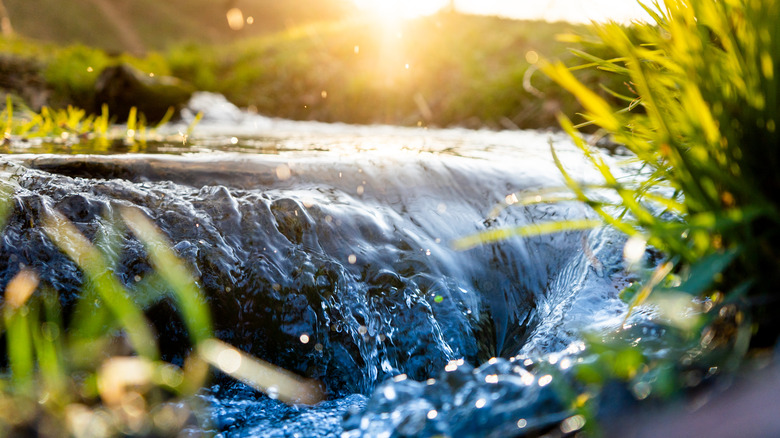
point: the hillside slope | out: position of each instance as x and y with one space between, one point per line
140 25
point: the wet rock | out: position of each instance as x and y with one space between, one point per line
122 87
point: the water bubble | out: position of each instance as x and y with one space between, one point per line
283 172
362 330
521 423
389 393
352 259
634 250
572 424
304 338
641 390
480 403
432 414
532 57
235 18
233 140
545 380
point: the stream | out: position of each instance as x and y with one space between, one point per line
326 249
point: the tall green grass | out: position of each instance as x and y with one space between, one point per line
701 115
700 102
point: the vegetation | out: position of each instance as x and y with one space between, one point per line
444 70
143 25
471 71
699 111
704 78
701 114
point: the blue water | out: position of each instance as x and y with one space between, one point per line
327 251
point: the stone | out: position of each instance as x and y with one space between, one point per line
122 87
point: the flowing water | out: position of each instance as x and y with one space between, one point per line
327 250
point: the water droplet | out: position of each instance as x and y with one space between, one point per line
545 380
283 172
360 190
491 378
304 338
432 414
480 403
233 140
521 423
362 330
235 19
572 424
634 249
352 259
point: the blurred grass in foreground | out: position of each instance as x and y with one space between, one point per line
94 369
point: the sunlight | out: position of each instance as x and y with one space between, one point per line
400 9
550 10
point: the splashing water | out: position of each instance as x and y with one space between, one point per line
326 250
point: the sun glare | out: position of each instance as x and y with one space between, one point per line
399 9
552 10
